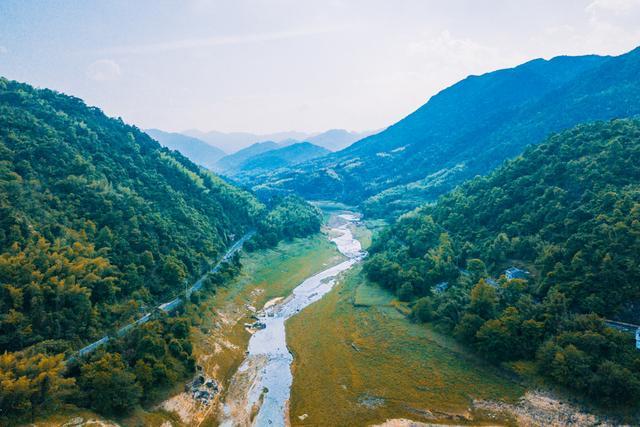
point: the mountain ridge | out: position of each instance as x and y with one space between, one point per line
467 129
195 149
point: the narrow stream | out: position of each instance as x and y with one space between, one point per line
267 367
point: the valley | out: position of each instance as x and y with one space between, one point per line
199 226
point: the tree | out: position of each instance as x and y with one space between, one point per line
483 300
108 387
468 327
405 292
173 272
477 269
423 310
32 384
495 342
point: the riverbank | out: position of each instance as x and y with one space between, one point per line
365 363
221 339
259 390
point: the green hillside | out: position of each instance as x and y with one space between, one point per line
568 211
466 130
98 225
231 163
271 160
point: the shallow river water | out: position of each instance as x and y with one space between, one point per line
267 366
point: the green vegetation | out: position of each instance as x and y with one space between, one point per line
466 130
231 163
98 224
289 217
220 341
570 209
363 365
265 160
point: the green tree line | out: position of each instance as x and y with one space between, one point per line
99 224
569 211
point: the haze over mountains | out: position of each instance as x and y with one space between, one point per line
241 161
195 149
270 160
333 139
468 129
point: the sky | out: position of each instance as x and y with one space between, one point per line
277 65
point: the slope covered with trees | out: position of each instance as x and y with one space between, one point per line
276 159
466 130
229 164
98 224
568 210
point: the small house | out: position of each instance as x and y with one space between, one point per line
515 273
441 287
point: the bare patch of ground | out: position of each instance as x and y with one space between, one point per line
403 422
239 406
184 406
542 409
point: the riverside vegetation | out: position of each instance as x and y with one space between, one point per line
98 222
568 211
358 346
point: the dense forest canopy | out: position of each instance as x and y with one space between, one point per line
98 225
568 211
465 130
97 214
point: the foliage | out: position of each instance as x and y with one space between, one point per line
467 129
569 209
97 219
98 223
289 217
29 384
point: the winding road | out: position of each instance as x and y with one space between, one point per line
169 306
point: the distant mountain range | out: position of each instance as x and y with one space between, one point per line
233 161
333 139
202 150
270 160
466 130
233 141
195 149
337 139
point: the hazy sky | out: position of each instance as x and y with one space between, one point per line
274 65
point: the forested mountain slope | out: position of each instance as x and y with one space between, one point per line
194 149
468 129
80 188
233 161
568 210
276 159
98 225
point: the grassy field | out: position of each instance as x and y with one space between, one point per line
221 339
357 365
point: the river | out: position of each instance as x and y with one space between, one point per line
259 391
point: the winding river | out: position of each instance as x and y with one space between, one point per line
259 391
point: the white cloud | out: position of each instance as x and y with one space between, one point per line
103 70
444 47
622 14
3 50
215 41
613 6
